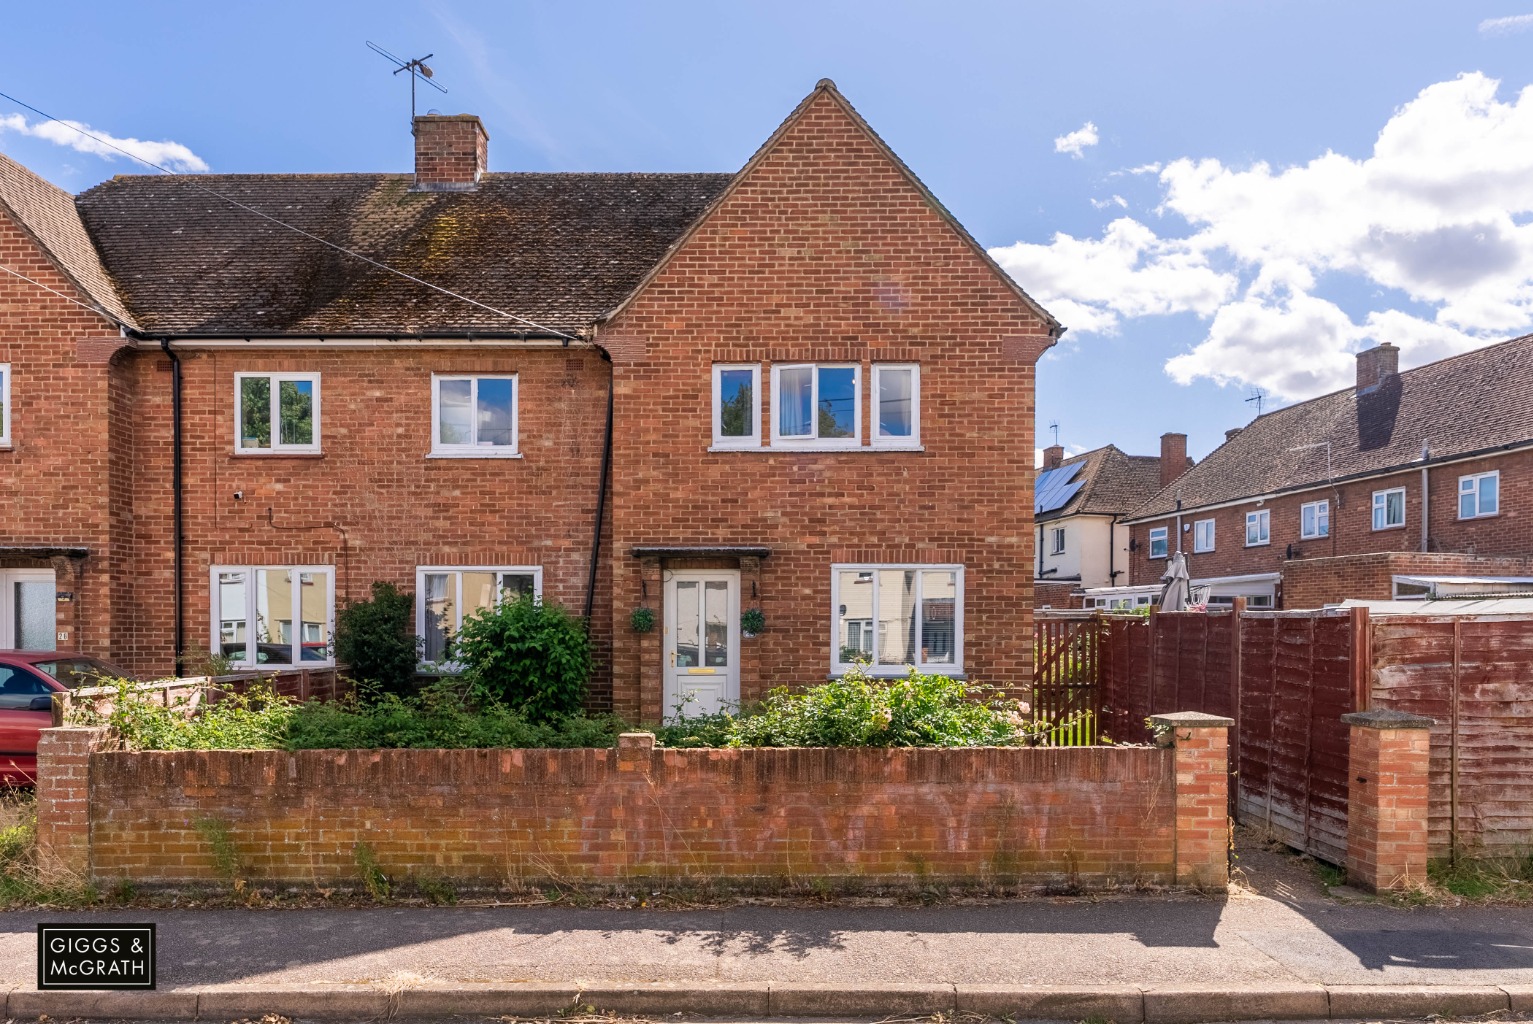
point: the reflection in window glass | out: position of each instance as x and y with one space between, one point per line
494 411
440 618
736 403
686 624
895 394
516 585
716 619
838 401
939 606
795 399
297 412
314 612
255 412
232 615
455 402
274 607
855 614
896 617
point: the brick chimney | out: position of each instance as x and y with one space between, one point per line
1173 458
1053 455
1375 366
450 152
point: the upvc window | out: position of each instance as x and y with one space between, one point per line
1258 528
1314 520
1479 495
817 405
474 416
1203 535
897 617
445 595
737 406
896 405
1057 540
1389 508
273 616
1160 542
276 412
5 404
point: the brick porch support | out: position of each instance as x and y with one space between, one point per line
1387 799
63 800
1202 770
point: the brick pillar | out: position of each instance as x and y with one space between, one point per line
1202 797
1387 760
63 806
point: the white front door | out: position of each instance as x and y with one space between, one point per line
27 610
702 642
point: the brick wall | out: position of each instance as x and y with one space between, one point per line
1510 533
826 251
1315 582
998 815
1057 595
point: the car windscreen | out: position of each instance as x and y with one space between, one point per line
76 672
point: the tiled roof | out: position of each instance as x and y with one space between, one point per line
558 249
1475 402
1115 483
48 214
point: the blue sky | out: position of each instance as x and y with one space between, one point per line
1196 237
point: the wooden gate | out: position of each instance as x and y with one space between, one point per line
1067 662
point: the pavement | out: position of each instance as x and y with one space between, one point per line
1280 949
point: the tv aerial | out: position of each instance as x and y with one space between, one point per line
417 69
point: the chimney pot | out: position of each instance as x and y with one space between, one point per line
451 152
1376 365
1173 458
1053 456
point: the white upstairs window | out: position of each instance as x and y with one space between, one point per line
276 412
1389 508
896 405
1203 535
1479 495
737 406
1258 528
817 405
474 416
1314 520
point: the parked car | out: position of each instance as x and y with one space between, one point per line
28 681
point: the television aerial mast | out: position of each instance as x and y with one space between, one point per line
417 69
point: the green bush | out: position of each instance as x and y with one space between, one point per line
530 655
376 639
860 711
254 720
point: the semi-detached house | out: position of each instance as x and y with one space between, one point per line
799 388
1408 484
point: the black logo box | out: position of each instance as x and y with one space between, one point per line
95 956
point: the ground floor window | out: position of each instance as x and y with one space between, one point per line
272 616
445 594
897 616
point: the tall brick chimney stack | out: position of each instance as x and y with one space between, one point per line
451 152
1053 455
1375 366
1173 458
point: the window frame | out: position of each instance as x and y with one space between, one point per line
1472 479
879 440
1380 504
1164 538
948 668
422 571
814 441
1263 516
474 450
1198 545
754 440
277 377
1322 515
5 405
216 613
1056 540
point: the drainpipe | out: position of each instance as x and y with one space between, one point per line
175 496
1426 499
1112 573
601 494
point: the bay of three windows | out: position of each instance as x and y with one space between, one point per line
472 415
817 405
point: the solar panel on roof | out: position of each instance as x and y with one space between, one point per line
1054 488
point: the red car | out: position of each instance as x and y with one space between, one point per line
28 680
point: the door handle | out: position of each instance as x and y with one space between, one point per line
673 659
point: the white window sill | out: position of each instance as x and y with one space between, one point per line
1382 529
1314 536
901 671
473 455
815 448
1462 519
5 446
278 453
1205 551
1259 544
271 667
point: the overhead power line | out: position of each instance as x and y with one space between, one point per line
290 227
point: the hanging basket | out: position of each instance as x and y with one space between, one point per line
752 622
642 620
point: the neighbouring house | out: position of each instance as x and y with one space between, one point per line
798 389
1078 506
1408 484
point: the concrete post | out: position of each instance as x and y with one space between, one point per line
1387 759
1202 796
63 800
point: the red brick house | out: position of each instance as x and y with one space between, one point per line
1408 484
796 389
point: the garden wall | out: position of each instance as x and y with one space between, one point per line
996 815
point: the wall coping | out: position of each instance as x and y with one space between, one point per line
1383 719
1192 720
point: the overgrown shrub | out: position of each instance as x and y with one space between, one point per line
254 720
532 656
375 638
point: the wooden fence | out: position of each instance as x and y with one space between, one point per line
1067 649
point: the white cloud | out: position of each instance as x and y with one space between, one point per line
170 155
1076 142
1441 212
1116 200
1506 26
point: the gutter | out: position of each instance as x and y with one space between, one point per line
177 524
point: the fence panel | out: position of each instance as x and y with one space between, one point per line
1067 669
